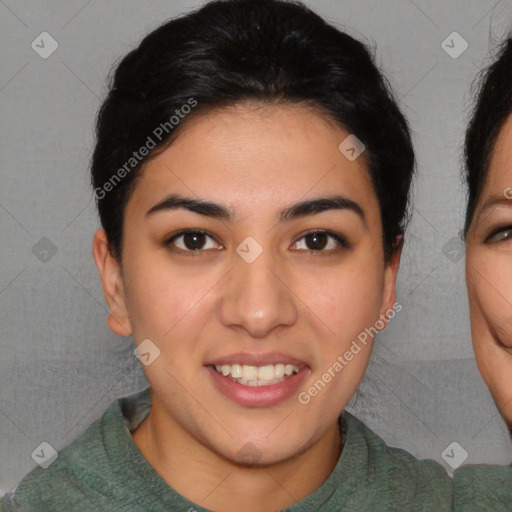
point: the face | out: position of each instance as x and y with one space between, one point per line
489 275
252 286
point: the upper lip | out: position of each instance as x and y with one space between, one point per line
256 359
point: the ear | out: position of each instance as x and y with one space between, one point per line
112 283
390 275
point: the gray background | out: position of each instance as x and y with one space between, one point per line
60 366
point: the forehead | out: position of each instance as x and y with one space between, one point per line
254 157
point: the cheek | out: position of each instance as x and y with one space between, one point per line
347 300
338 303
491 293
160 301
354 308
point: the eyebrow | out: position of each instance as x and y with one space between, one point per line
295 211
500 200
495 202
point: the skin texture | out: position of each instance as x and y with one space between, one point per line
489 275
291 299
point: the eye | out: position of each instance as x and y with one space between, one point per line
500 235
194 242
191 241
317 241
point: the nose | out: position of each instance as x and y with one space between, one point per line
257 297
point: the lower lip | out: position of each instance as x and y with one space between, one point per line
258 396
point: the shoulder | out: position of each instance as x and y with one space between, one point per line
483 487
78 472
406 480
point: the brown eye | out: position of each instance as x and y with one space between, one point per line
317 241
191 241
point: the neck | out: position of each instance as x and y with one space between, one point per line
222 485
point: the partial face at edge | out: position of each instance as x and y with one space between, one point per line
305 298
489 275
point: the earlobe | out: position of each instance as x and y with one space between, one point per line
390 276
117 326
112 284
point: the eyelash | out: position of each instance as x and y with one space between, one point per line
341 240
497 231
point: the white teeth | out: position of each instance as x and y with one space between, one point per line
236 371
266 372
250 372
249 375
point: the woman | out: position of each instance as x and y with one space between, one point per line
488 229
252 174
488 234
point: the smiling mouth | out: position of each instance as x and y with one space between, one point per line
266 375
